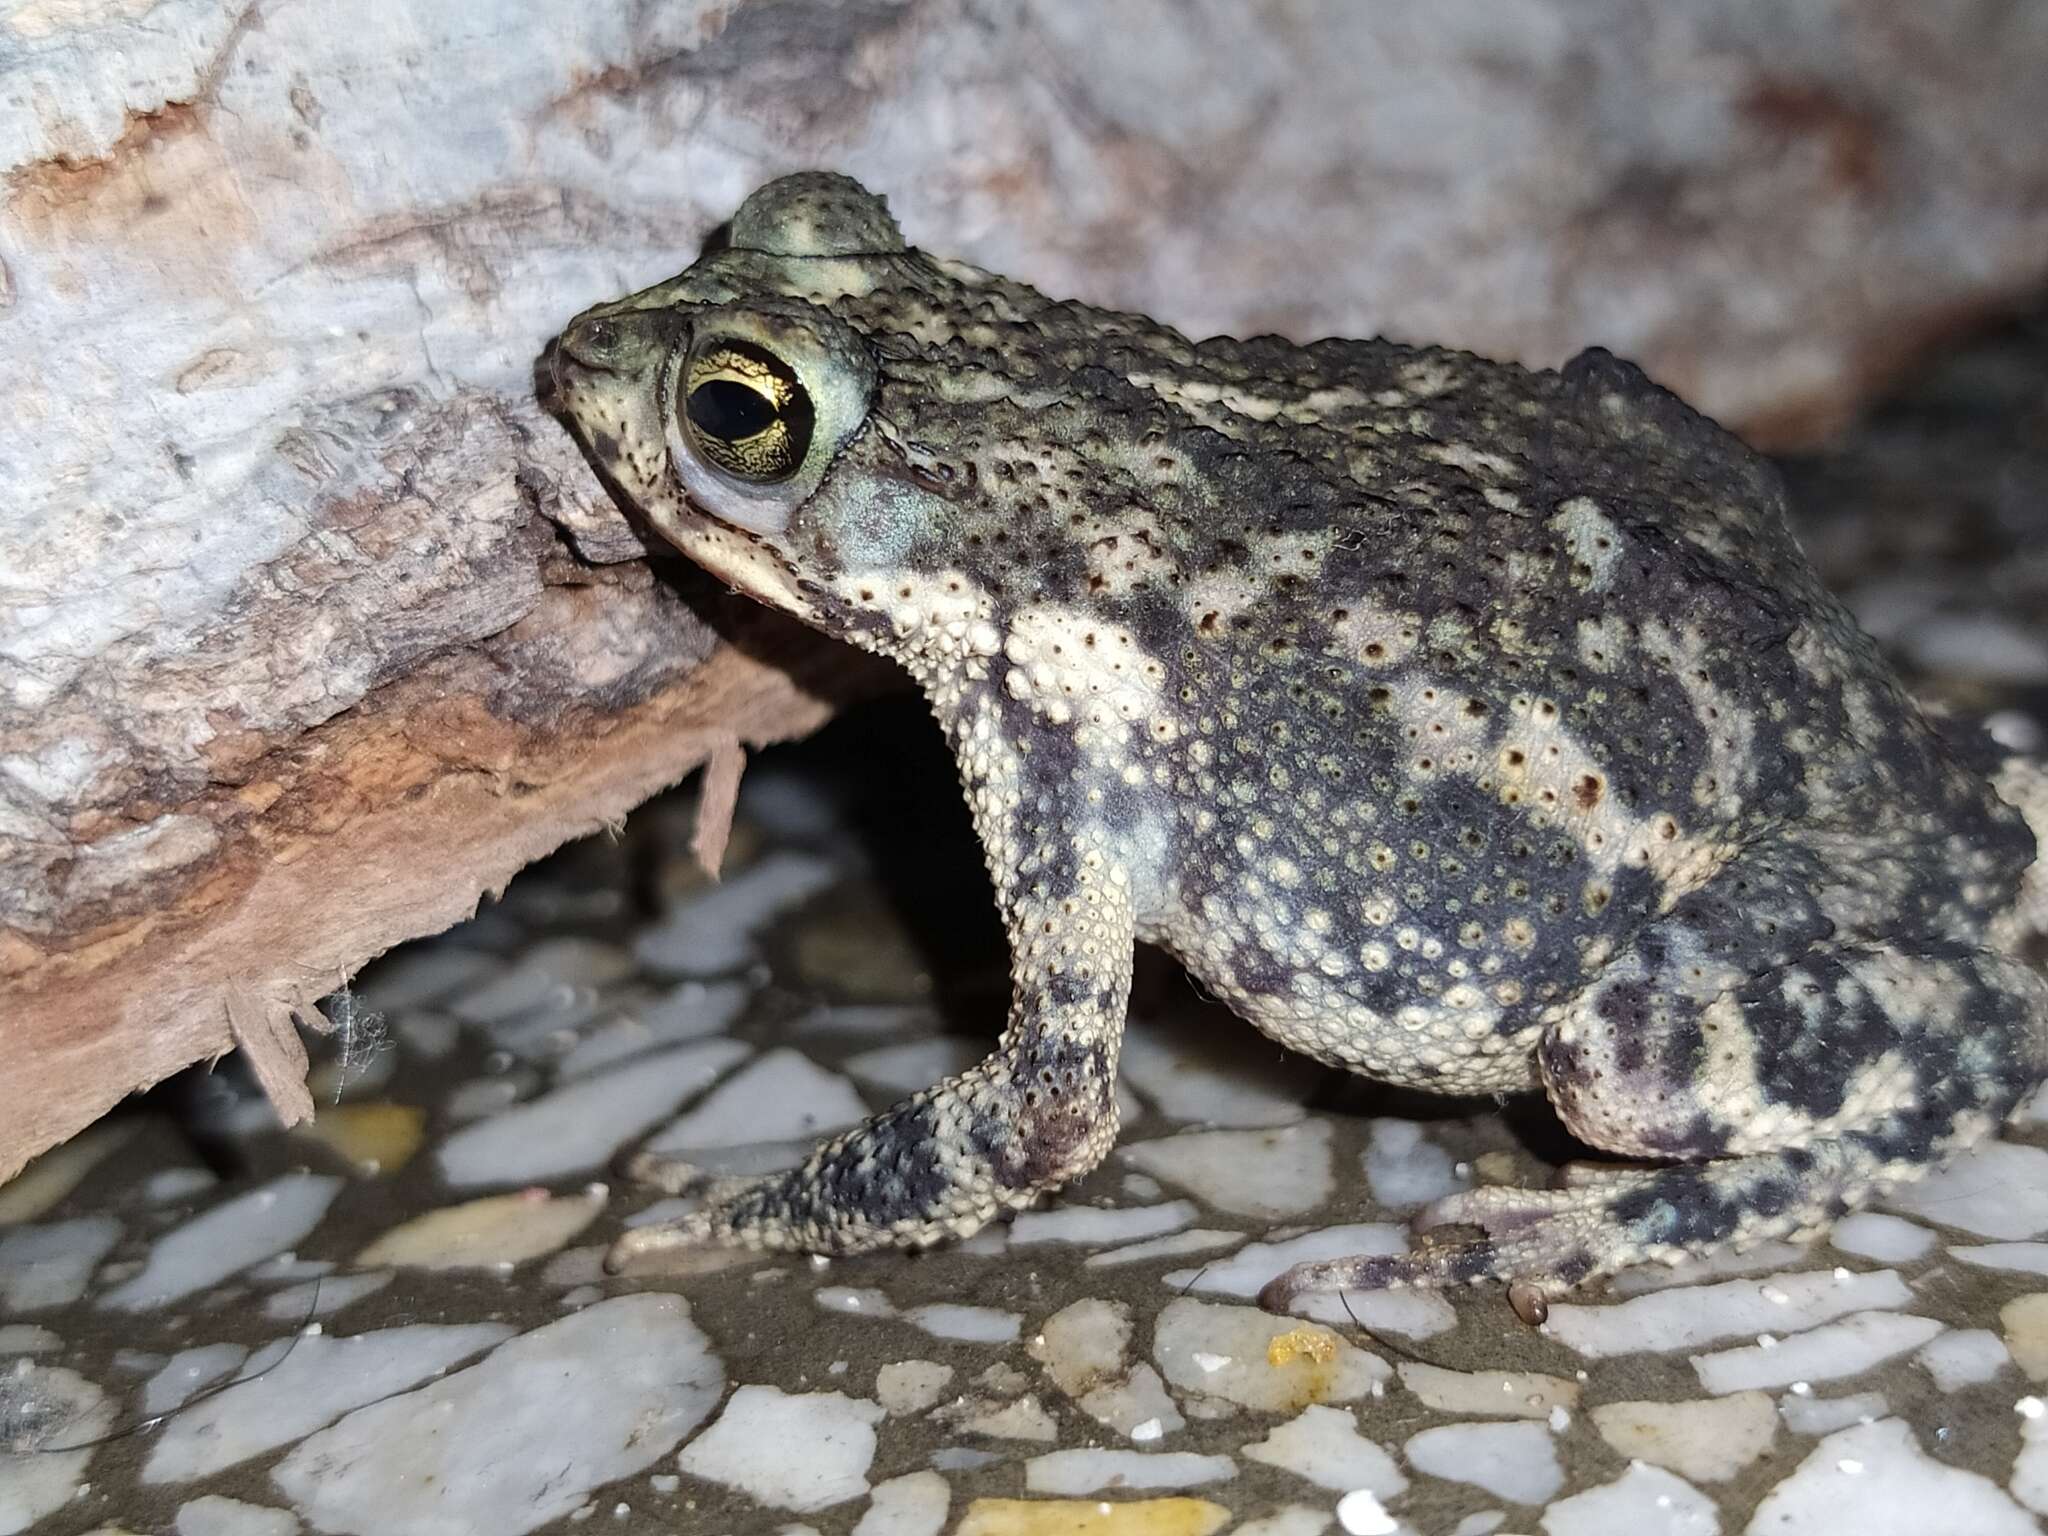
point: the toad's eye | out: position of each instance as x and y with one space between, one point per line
745 412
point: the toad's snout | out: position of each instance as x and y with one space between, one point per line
590 343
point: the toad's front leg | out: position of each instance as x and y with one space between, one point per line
1037 1113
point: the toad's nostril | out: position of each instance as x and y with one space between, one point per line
590 343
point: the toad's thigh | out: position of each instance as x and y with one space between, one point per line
1900 1047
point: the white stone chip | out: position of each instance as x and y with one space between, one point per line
1084 1349
1096 1226
1256 1360
421 974
991 1242
860 1301
189 1371
892 1019
1301 1520
1805 1414
1964 1357
1720 1263
688 1011
215 1515
1874 1235
1197 1240
912 1505
481 1096
2029 1481
429 1036
1708 1442
289 1395
1083 1344
1517 1462
174 1186
324 1297
1874 1480
1360 1513
1826 1353
547 975
915 1064
784 1096
1022 1419
1643 1501
230 1237
1324 1446
754 1158
73 1410
580 1126
712 931
1494 1394
1414 1313
1688 1317
1268 1174
1226 1079
976 1325
27 1339
1405 1168
1079 1471
49 1266
521 1438
1998 1190
1137 1405
2017 1258
1981 646
797 1451
911 1386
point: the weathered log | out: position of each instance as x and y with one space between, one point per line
313 627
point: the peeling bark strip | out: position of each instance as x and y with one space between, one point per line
721 792
287 617
265 1031
400 857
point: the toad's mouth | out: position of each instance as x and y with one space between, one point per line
746 561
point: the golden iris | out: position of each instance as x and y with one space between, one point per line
746 412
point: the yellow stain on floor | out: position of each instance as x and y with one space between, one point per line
2026 1332
378 1137
1318 1345
482 1234
1092 1517
59 1171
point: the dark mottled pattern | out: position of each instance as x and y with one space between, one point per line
1490 726
892 1174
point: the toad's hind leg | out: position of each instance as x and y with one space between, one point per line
1792 1075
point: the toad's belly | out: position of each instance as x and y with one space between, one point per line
1340 1004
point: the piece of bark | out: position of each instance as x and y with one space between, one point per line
312 626
716 799
380 825
266 1031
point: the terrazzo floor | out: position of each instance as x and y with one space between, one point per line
395 1322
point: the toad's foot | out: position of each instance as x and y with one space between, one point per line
1556 1239
723 1199
1039 1112
936 1166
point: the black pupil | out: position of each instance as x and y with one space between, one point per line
730 411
